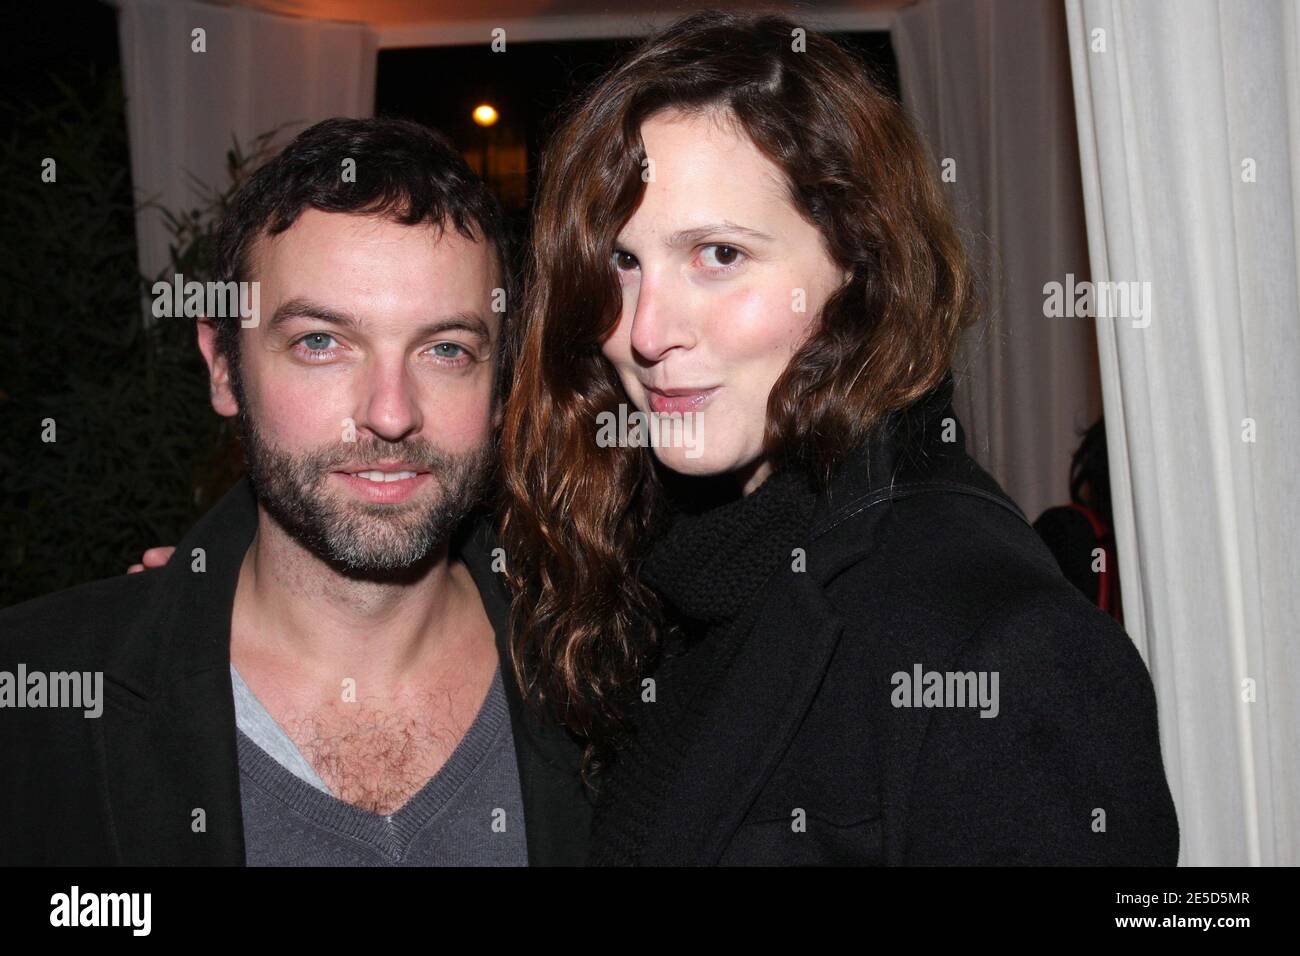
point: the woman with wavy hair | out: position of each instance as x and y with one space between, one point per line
809 628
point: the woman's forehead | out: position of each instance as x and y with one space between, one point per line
699 172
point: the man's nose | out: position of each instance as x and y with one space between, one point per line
390 404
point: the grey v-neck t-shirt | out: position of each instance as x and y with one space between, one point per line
470 813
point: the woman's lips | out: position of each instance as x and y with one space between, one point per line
678 399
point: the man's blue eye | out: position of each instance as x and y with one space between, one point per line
449 345
317 341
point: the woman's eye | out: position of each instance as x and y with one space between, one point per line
624 261
316 341
722 255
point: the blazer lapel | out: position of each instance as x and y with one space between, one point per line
557 813
171 774
167 735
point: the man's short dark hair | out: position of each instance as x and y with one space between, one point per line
404 171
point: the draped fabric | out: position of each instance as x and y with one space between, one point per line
1189 131
987 82
191 94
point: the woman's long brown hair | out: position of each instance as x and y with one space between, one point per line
576 517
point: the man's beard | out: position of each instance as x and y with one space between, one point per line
355 535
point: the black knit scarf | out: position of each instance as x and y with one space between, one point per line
709 568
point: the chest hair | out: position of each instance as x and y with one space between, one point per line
377 758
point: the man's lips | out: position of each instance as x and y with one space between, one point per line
389 482
669 400
384 471
383 477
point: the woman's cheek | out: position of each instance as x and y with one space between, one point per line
761 320
737 320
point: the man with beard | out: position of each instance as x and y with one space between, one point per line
321 675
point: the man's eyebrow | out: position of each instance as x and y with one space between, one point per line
309 309
689 237
466 321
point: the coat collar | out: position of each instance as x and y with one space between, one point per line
168 741
918 449
921 442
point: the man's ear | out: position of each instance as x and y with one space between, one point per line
223 396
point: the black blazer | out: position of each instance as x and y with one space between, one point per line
915 557
125 787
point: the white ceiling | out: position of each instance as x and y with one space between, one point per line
421 22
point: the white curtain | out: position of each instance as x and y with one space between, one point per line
257 72
988 84
1189 131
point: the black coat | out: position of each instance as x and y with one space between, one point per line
915 557
123 788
